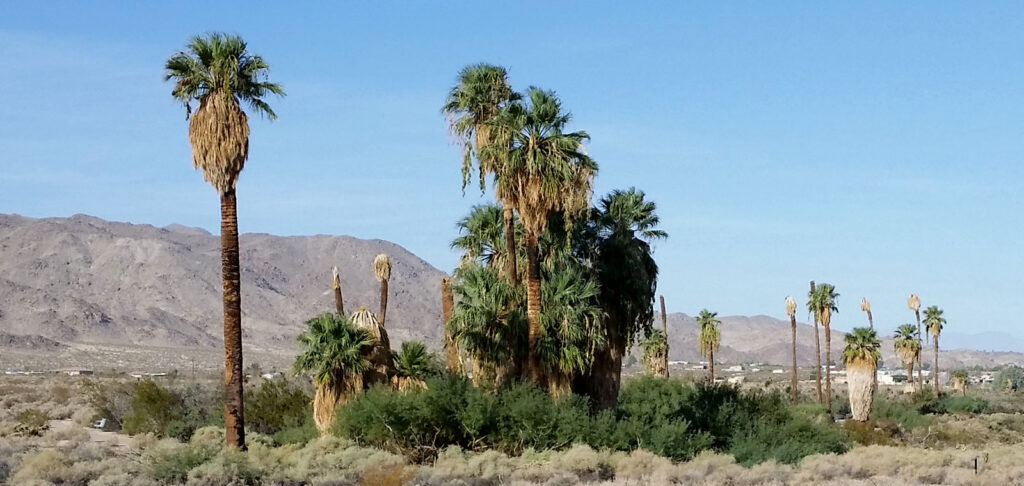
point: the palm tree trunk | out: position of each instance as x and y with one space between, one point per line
339 301
533 370
510 244
383 301
451 347
794 386
664 331
871 321
935 369
711 366
828 369
606 374
858 379
920 377
234 417
910 375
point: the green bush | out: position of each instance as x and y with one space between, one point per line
169 413
907 415
1010 379
173 467
660 415
954 404
275 405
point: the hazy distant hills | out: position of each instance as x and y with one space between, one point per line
87 280
83 279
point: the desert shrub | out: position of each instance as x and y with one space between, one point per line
1009 379
171 465
166 412
872 432
32 418
230 466
908 416
111 400
295 435
275 405
955 404
786 441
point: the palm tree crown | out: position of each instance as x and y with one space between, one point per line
218 73
333 349
822 303
414 361
710 336
905 342
933 321
862 345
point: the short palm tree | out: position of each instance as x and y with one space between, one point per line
655 348
710 338
822 301
934 322
471 107
791 312
335 352
861 356
219 73
381 364
907 348
413 364
914 304
543 170
382 270
570 326
960 378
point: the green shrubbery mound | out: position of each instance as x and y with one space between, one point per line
663 416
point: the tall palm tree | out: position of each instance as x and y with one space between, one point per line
960 378
219 74
382 270
335 351
482 237
339 301
545 170
451 345
471 107
791 312
817 347
861 357
907 347
664 331
823 303
616 243
655 347
866 307
709 338
933 321
914 304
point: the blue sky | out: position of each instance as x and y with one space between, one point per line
875 146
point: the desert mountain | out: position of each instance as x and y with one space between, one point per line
84 279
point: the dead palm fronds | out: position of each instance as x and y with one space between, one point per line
382 270
380 356
339 301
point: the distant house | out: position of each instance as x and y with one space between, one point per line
778 371
74 371
735 369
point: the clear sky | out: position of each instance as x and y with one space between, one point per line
873 145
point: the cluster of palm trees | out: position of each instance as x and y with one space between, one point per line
590 275
861 352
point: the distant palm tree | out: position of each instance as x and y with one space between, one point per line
664 331
382 270
655 348
710 338
933 321
823 303
219 73
413 364
791 312
914 304
472 106
817 347
546 171
907 347
861 357
960 378
335 352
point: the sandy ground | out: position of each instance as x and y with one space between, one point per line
112 439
